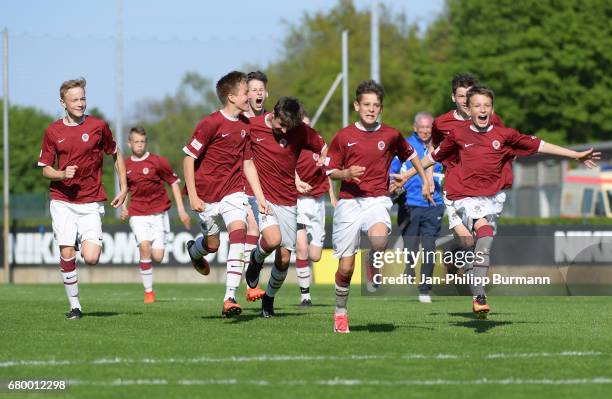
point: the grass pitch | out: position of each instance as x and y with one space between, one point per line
557 347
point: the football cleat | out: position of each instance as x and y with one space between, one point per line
341 323
149 297
424 298
200 265
306 303
267 306
480 307
254 294
230 308
74 314
251 275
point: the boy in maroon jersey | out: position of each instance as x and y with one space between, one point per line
78 143
310 218
360 155
276 141
213 168
482 151
149 204
257 82
312 183
442 126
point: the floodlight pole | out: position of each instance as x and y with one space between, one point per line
6 164
328 96
345 77
374 43
119 92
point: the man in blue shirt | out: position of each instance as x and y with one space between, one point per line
420 221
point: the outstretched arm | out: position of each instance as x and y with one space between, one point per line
586 157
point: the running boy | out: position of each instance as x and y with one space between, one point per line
72 152
149 204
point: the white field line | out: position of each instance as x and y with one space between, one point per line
350 382
290 358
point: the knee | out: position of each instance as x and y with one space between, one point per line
91 259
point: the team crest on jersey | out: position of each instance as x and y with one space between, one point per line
496 144
283 143
145 171
243 133
315 156
85 137
381 145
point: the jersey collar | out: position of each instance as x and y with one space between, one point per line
142 158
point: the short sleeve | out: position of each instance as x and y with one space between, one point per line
109 146
47 151
202 136
313 140
523 144
335 155
165 171
447 149
404 150
248 151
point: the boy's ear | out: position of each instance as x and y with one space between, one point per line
356 105
453 98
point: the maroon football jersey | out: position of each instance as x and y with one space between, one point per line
217 144
146 177
481 159
276 155
82 145
372 149
309 172
446 123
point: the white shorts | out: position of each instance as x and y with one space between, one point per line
311 213
471 209
230 209
153 228
286 218
352 216
76 222
454 219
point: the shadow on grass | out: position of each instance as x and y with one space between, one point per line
481 326
314 305
374 327
246 317
110 314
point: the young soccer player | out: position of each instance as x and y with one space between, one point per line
276 141
482 151
213 168
360 156
310 218
257 83
149 204
71 157
442 126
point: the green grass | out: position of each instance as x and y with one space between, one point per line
184 339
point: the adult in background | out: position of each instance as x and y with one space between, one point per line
417 218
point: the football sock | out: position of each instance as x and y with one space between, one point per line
69 276
262 250
302 270
235 262
146 273
484 240
200 249
342 292
277 277
249 245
